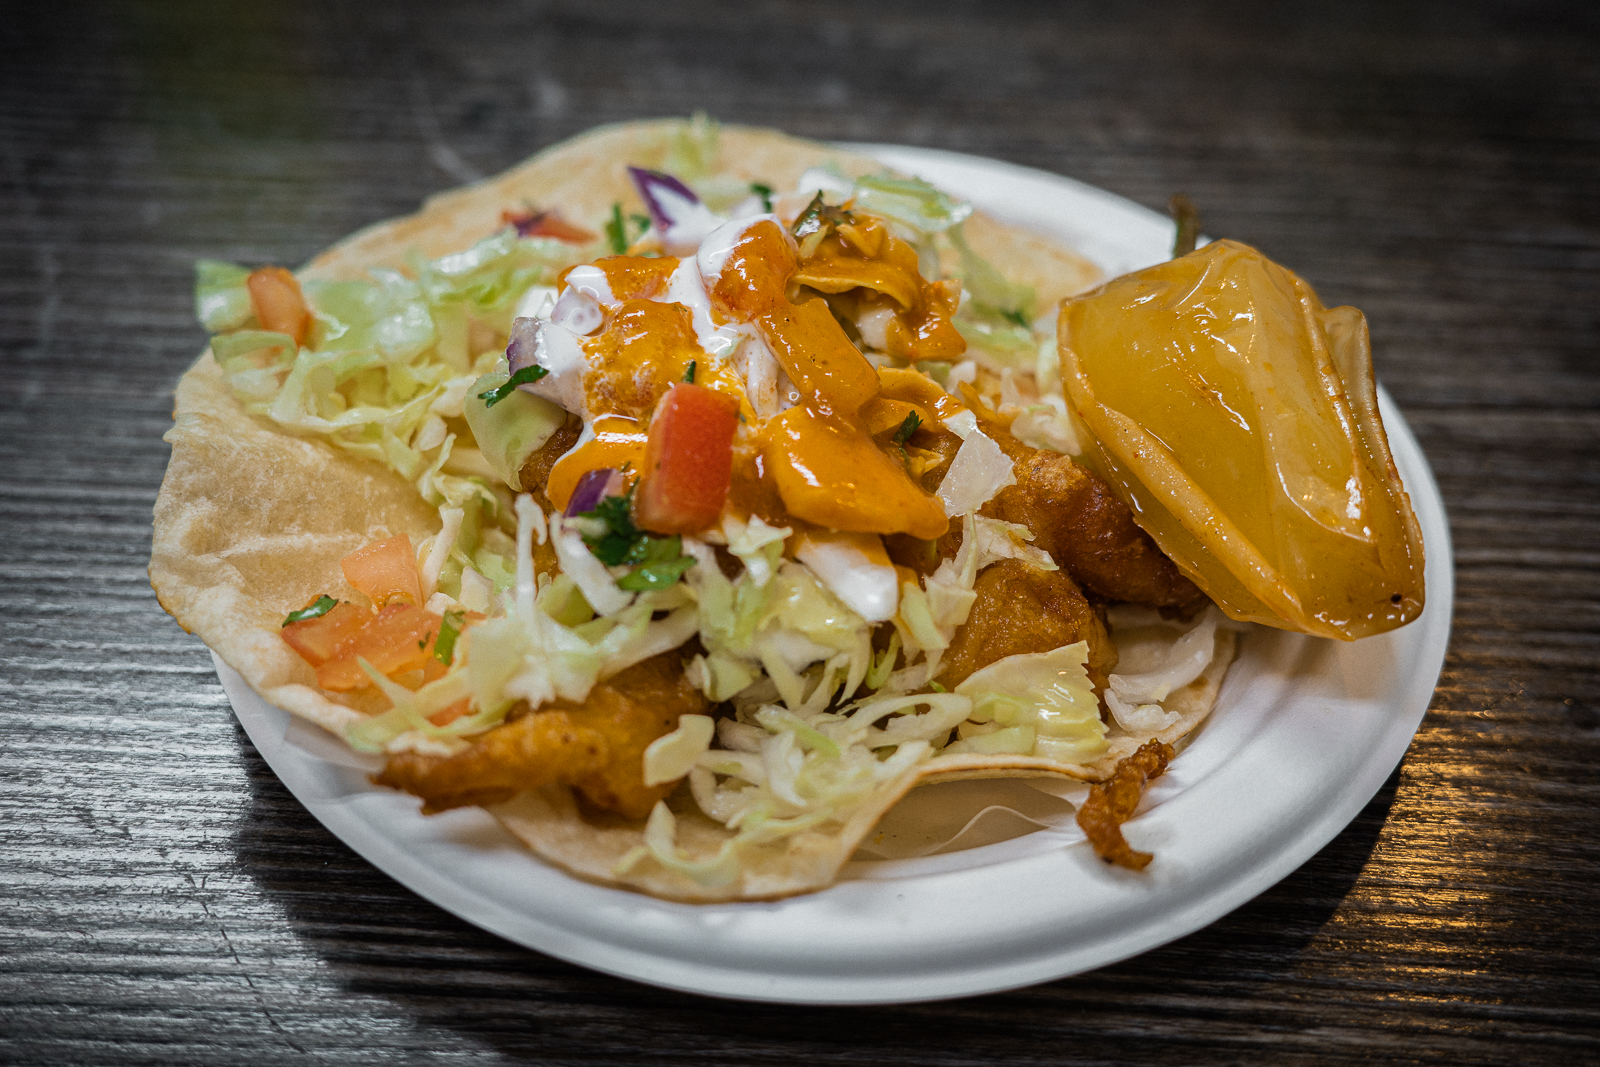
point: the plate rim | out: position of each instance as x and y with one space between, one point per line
704 977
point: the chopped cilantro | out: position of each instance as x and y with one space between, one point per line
616 234
444 649
616 229
320 607
815 223
657 561
424 642
1019 317
525 376
688 375
764 191
810 220
612 547
655 575
907 428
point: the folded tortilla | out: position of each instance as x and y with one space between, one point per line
251 522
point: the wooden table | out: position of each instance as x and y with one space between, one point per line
164 900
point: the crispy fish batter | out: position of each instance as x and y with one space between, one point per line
1022 609
1111 804
1088 531
535 473
597 747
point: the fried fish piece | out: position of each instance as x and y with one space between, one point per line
1022 609
596 747
535 472
1111 804
1088 531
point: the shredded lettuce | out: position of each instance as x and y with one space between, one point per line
1010 300
221 300
511 430
911 202
671 756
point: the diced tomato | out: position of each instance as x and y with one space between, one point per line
278 303
398 639
318 640
688 462
385 571
446 716
546 224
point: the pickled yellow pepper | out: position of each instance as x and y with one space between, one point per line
1237 416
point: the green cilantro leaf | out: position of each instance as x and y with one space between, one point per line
616 234
444 649
525 376
613 546
321 607
1018 316
810 220
657 561
907 428
688 375
655 575
764 191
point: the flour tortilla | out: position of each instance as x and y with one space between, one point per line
251 522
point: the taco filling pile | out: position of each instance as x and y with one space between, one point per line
685 496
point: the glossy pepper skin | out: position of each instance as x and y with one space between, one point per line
1238 418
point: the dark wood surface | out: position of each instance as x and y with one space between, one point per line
164 900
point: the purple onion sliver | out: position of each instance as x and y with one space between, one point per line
524 343
592 488
648 181
579 312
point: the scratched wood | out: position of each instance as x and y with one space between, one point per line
164 900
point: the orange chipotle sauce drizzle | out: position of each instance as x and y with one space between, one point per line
816 462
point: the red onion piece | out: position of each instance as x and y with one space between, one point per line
679 216
578 312
651 184
524 343
594 487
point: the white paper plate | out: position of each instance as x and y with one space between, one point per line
1305 733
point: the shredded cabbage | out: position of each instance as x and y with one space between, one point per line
513 429
1047 692
671 756
980 470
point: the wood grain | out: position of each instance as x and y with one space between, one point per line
164 900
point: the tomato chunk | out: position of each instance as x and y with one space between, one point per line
319 640
546 224
446 716
399 638
688 460
386 571
278 303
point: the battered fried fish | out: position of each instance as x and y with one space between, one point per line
1111 804
597 747
1088 531
1022 609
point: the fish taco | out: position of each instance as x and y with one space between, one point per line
685 495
